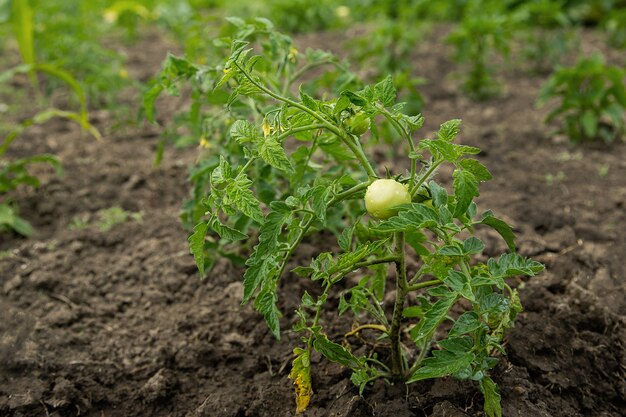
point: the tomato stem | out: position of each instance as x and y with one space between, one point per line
397 362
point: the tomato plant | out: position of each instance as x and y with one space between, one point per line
292 167
592 99
481 36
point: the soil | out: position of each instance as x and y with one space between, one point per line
117 323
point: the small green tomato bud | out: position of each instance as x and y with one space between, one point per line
358 124
382 195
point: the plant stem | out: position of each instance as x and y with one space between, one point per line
420 357
344 194
426 175
397 364
299 129
421 285
384 260
379 327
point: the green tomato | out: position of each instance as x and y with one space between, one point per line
358 124
382 195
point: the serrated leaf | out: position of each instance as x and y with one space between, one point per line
450 250
492 405
460 283
273 153
226 232
243 131
465 189
385 92
440 149
458 345
196 245
466 323
473 245
239 194
265 252
501 227
439 194
345 239
476 168
354 98
335 352
449 130
308 101
433 317
265 303
321 196
442 363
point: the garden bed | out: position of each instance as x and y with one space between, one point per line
117 322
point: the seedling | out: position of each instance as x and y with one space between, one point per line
448 314
592 99
481 36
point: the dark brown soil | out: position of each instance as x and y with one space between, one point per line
117 323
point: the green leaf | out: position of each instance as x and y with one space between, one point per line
226 232
450 250
440 149
459 345
433 318
465 189
460 283
335 352
23 28
308 101
473 245
385 92
9 218
265 304
354 98
466 323
243 131
239 193
590 124
149 98
264 254
321 195
476 168
439 194
442 363
345 239
273 153
501 227
449 130
409 217
492 405
196 245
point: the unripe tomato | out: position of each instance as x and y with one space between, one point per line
358 124
382 195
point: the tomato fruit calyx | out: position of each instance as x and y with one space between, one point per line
383 195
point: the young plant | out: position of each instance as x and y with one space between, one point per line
546 33
386 49
592 99
301 170
482 35
14 173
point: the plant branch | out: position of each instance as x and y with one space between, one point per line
367 326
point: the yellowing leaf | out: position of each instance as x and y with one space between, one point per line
301 375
